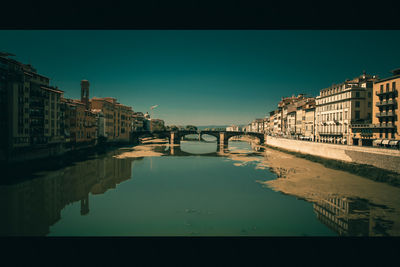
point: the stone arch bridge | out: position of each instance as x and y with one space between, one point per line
175 137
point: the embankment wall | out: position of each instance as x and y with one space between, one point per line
388 159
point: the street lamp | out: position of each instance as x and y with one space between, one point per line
151 116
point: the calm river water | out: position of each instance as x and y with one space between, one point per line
191 190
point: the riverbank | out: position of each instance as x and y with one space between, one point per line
381 158
366 171
316 183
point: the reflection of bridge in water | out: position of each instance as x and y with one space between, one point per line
222 151
175 137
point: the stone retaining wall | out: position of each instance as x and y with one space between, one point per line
379 157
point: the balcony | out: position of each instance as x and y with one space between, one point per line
386 103
384 125
361 126
385 114
392 93
330 133
372 126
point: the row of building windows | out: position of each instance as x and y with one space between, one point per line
333 116
343 96
332 128
388 86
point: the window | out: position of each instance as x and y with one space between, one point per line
357 94
381 90
387 87
369 94
369 116
393 86
369 104
357 114
357 104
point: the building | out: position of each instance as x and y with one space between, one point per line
266 125
341 105
80 122
290 120
309 121
287 105
101 124
278 122
233 128
30 112
257 126
118 118
384 129
305 118
247 128
138 121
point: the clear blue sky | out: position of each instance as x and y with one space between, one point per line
202 77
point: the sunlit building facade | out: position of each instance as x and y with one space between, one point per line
118 118
341 105
384 129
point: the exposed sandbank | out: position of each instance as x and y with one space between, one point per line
315 183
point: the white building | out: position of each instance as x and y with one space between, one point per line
339 106
233 128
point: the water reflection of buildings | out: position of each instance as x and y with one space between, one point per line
31 207
347 217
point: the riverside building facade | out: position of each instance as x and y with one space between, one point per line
81 124
341 105
384 129
30 115
118 118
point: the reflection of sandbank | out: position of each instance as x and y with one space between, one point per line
139 152
146 150
315 183
242 156
153 140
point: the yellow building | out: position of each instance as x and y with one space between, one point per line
118 118
384 129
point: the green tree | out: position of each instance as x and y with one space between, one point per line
172 128
191 128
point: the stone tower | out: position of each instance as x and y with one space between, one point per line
85 92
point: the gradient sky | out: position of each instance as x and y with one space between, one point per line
201 77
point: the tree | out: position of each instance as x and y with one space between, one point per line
173 128
191 128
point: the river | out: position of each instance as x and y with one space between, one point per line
195 189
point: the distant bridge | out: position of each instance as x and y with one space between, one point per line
175 137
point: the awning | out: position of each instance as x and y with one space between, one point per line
377 142
393 142
385 142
